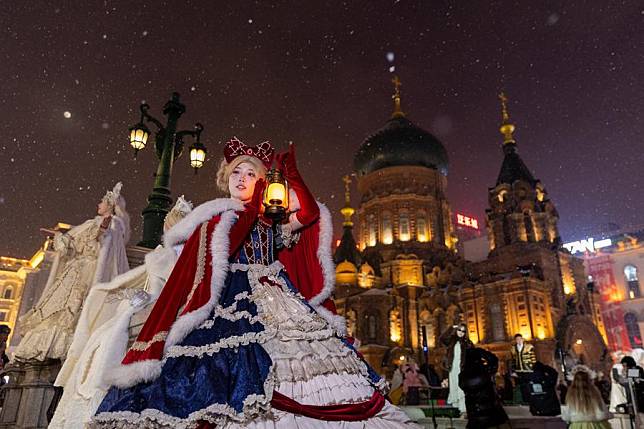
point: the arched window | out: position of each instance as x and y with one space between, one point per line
403 226
497 319
633 330
422 229
387 230
529 227
372 327
441 322
373 231
632 281
8 293
395 326
507 234
3 316
351 323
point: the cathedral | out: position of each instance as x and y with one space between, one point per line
400 281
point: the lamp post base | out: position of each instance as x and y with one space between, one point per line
159 204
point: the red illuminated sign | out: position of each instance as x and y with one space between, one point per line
467 221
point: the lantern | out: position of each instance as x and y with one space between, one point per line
138 136
275 195
197 156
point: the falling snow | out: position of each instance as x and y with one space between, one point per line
321 80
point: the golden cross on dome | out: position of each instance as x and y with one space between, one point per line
397 84
506 128
347 192
347 210
504 107
397 110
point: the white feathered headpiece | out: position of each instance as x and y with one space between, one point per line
592 374
181 208
112 196
117 201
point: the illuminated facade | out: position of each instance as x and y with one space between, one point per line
13 275
34 277
616 271
408 284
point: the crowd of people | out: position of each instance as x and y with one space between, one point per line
469 381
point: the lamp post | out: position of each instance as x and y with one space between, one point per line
169 146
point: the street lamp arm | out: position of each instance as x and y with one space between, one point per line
196 133
145 115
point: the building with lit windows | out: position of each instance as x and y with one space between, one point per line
26 284
615 265
402 282
14 274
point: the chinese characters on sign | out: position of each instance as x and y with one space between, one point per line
467 221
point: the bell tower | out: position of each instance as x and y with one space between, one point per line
520 210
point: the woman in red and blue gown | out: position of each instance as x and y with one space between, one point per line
244 334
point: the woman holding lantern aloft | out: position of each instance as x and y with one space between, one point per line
90 253
234 341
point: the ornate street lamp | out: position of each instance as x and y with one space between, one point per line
197 150
139 133
169 146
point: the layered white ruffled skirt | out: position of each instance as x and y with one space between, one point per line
311 365
308 362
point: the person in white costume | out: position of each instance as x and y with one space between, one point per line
102 333
90 253
457 342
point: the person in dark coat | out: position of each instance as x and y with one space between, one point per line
543 391
638 384
484 408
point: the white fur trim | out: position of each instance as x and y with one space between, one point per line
111 361
128 375
123 376
186 226
328 273
325 257
293 201
118 281
219 247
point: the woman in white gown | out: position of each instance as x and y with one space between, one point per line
102 332
457 342
89 253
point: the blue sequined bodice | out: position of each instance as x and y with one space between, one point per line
258 247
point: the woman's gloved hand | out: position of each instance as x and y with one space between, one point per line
309 210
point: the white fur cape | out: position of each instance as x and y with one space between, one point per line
147 370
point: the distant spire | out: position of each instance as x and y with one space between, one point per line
398 113
506 127
347 210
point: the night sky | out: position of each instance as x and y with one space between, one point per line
318 74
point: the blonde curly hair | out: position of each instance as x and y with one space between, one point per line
225 169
